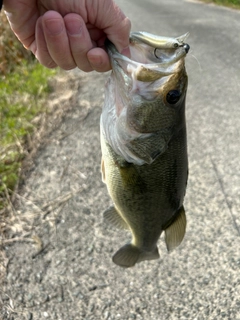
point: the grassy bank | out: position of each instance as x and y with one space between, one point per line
21 100
23 88
229 3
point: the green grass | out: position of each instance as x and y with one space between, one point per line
230 3
22 92
23 88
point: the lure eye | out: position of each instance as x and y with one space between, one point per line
186 47
173 96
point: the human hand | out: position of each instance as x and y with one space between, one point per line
69 33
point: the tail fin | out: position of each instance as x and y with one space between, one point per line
129 255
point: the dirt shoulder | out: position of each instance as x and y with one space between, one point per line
62 100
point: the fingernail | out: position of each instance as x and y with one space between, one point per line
74 28
126 52
98 63
54 26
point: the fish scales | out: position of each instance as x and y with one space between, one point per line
144 147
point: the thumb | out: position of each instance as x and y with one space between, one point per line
115 25
119 36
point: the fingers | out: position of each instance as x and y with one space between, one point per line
52 42
65 42
119 35
70 40
22 19
40 49
79 40
99 59
115 25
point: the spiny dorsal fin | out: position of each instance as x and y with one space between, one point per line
174 234
113 217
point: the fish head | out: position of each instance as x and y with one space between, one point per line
149 90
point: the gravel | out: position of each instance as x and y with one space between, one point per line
61 267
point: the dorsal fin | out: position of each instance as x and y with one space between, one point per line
174 233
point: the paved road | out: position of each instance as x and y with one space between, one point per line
72 277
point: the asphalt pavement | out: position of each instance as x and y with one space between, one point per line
72 276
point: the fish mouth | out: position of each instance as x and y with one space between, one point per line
151 57
145 100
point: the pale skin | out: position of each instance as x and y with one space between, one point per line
69 33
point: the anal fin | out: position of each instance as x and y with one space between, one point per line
175 232
113 217
103 171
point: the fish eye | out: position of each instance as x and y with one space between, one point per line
175 45
173 96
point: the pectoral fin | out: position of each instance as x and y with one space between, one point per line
150 147
174 233
113 217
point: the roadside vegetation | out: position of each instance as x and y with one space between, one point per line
33 102
229 3
23 87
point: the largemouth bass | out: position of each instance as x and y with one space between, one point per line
144 146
